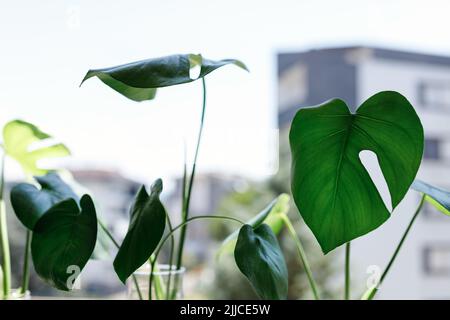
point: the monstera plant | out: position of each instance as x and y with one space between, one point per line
332 188
139 81
61 232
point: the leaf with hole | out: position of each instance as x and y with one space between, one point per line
271 215
147 224
30 203
439 198
63 241
331 188
260 259
139 80
21 142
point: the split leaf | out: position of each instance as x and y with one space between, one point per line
21 140
331 187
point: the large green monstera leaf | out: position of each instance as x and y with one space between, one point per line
139 80
20 141
147 224
331 187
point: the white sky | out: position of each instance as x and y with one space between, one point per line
47 46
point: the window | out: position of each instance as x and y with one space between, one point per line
292 86
435 94
436 259
432 149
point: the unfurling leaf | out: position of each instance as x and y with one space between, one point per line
147 224
139 80
63 241
439 198
260 259
331 187
30 203
21 140
271 215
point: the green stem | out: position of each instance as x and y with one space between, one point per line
347 271
172 245
6 261
397 250
181 225
301 253
187 194
110 236
26 264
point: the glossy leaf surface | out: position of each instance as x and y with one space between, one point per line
147 224
260 259
270 215
63 241
30 203
331 187
139 80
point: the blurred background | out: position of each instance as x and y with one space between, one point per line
299 53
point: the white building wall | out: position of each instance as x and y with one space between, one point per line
408 278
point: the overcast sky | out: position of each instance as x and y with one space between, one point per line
47 46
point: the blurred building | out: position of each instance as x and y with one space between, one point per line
422 269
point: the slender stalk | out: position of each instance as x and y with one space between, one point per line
347 271
187 195
301 253
26 264
172 246
6 261
111 237
397 250
181 225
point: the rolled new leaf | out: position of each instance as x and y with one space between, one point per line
30 203
260 259
20 140
439 198
63 241
271 215
331 187
147 224
139 80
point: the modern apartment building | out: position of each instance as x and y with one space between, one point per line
422 270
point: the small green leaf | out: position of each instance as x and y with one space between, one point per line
271 215
147 224
260 259
332 189
139 80
20 138
439 198
63 241
30 203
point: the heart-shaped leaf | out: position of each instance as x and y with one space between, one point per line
271 215
331 187
439 198
30 203
20 140
147 224
138 80
260 259
63 241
